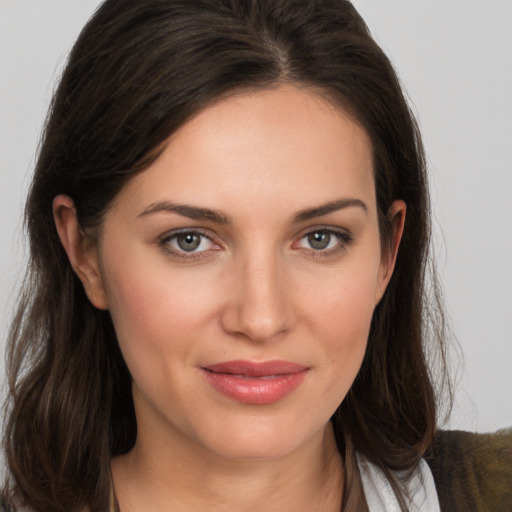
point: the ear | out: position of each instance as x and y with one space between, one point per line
81 249
396 216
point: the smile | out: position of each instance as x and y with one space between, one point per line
255 383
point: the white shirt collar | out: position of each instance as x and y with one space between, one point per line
381 498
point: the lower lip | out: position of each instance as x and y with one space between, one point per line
257 390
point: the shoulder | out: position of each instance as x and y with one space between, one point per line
472 472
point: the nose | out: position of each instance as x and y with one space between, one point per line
259 307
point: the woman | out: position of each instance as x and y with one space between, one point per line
228 226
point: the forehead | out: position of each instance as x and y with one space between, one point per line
261 147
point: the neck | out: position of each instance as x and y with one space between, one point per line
158 478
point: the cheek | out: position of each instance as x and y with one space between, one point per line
346 331
155 309
344 306
341 316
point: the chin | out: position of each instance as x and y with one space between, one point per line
262 449
257 439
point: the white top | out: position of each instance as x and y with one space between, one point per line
379 493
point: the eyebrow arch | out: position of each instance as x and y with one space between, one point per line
192 212
329 207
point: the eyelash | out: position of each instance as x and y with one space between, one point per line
167 239
344 240
343 237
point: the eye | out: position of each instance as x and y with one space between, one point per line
186 243
320 240
324 240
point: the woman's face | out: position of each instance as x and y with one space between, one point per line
241 270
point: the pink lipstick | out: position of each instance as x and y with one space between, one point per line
255 383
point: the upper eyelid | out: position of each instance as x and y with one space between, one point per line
345 238
165 243
336 230
331 229
183 231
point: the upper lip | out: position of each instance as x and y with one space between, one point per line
256 368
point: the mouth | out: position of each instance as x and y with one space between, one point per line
255 383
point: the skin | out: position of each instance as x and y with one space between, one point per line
254 289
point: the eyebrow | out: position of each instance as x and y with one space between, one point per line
329 207
192 212
198 213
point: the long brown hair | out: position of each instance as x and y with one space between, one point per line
139 70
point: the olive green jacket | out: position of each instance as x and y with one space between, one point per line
473 472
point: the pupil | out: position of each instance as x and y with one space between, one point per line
189 242
319 240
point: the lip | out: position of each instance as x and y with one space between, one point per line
255 383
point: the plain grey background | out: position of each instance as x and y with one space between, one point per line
455 61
